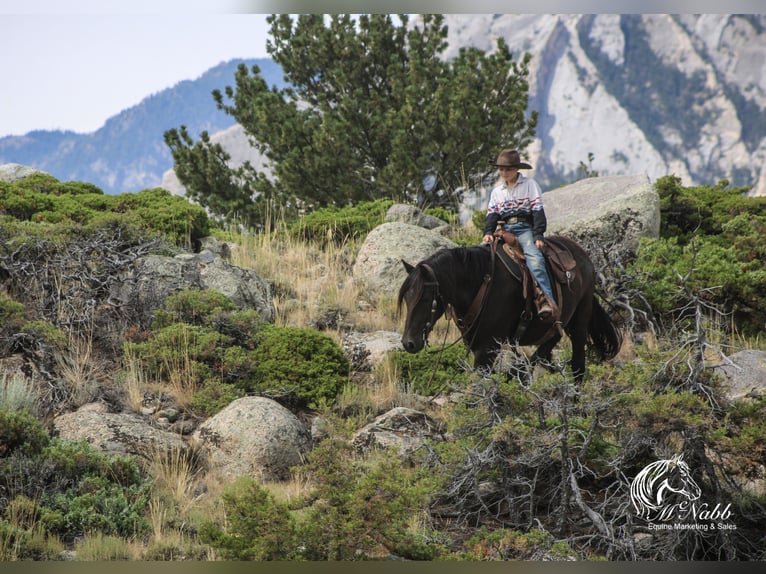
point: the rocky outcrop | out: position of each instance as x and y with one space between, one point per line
745 375
118 433
410 214
583 84
401 428
616 210
378 266
10 172
254 436
148 283
366 350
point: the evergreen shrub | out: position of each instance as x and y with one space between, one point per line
298 365
432 370
41 198
77 488
340 224
21 431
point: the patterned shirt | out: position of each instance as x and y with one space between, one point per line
524 200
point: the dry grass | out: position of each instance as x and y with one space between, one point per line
98 547
17 393
312 281
297 488
134 380
176 474
83 373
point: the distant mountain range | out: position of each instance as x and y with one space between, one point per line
129 153
652 94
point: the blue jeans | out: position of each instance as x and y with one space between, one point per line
535 259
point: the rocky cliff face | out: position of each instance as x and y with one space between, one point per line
651 94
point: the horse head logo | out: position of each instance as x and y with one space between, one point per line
661 485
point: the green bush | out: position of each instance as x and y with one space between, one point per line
257 527
20 431
340 224
689 212
298 365
171 215
710 272
432 370
78 489
356 510
711 246
46 333
360 508
240 326
41 198
213 397
193 306
181 347
94 492
12 317
227 353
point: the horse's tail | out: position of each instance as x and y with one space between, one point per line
603 332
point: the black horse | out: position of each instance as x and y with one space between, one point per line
488 304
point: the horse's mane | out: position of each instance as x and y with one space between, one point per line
473 262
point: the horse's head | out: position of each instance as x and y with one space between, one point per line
420 292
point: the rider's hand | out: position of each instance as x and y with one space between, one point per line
487 238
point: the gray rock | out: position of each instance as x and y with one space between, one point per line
378 266
117 433
10 172
152 279
611 211
217 246
369 349
402 428
254 436
746 376
410 214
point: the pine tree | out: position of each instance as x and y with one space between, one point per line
373 109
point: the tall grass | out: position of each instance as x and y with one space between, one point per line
83 373
97 547
175 473
17 393
312 279
134 380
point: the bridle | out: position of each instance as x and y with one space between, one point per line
466 323
437 298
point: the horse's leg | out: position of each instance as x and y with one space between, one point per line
543 353
484 359
577 329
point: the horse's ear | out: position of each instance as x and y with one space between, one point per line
407 267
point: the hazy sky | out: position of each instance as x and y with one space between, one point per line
73 64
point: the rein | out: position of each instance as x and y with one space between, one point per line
474 313
467 322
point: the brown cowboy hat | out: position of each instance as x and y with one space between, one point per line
510 158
